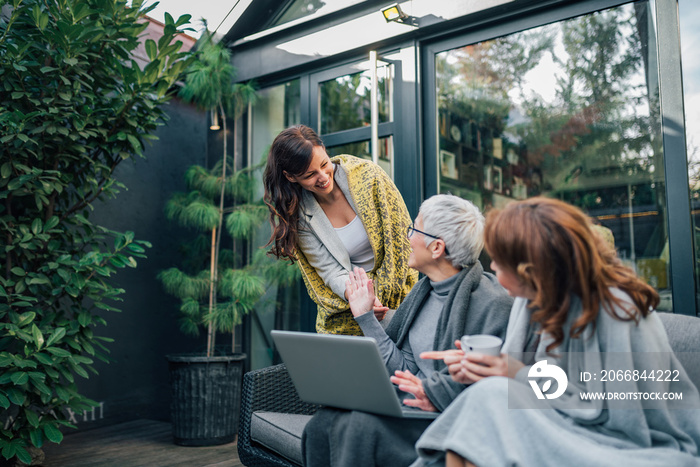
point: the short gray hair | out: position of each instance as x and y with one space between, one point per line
459 223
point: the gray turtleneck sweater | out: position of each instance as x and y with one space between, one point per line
421 336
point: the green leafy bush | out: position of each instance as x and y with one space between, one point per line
73 105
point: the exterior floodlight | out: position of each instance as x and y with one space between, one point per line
214 120
394 13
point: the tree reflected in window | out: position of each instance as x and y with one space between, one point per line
345 101
568 110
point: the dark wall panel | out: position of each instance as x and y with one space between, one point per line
135 385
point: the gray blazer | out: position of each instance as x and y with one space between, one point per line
319 241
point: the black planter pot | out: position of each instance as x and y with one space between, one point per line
206 398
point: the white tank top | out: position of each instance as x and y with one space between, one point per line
356 242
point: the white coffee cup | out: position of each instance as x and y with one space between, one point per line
482 343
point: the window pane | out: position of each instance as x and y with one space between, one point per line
345 101
276 108
363 149
690 41
568 110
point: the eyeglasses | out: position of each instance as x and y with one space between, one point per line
411 229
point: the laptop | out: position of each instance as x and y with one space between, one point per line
345 372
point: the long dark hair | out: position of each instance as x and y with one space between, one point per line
552 247
290 152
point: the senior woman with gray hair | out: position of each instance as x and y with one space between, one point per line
456 297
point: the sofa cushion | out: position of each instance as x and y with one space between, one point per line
683 332
684 336
280 432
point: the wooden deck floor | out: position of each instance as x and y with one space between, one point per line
139 443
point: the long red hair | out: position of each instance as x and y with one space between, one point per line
552 247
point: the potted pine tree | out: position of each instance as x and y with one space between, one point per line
215 295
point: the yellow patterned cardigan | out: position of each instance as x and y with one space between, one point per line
385 218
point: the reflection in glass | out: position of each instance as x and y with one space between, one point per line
363 149
306 8
568 110
276 108
690 41
345 101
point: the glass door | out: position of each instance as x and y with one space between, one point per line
341 109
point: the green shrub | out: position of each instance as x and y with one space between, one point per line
73 105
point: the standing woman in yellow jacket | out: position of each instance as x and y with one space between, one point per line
332 214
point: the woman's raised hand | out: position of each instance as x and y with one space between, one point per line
359 291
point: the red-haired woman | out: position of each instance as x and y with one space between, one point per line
584 352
